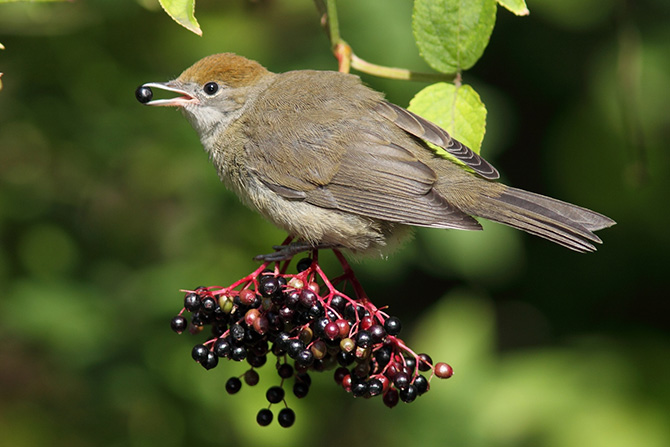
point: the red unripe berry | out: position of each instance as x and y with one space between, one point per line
344 326
367 322
247 297
391 398
331 330
314 287
346 383
340 374
261 324
443 371
251 316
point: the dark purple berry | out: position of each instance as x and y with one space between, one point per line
238 353
300 389
392 325
222 347
275 394
210 361
178 324
285 370
363 339
251 377
401 380
192 302
305 358
391 398
408 394
268 286
208 304
199 353
358 389
375 387
233 385
294 348
421 384
144 94
307 298
377 333
264 417
303 264
304 378
286 417
238 332
425 362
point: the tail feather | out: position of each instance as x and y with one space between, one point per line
568 225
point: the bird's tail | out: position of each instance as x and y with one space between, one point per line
568 225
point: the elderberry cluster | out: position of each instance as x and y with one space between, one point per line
287 316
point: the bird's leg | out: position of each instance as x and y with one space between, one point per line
289 250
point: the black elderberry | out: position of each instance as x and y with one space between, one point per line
383 356
338 303
307 298
304 378
345 358
178 324
238 332
408 394
199 353
303 264
268 285
192 302
282 341
286 417
410 364
286 314
377 333
392 325
363 339
294 347
300 389
238 353
292 298
275 394
401 380
264 417
316 311
208 305
210 361
375 387
358 389
425 362
285 370
222 347
305 358
251 377
256 360
320 326
391 398
421 384
233 385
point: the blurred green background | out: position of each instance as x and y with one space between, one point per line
108 208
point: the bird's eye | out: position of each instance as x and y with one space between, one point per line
211 87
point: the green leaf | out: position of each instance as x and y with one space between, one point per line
452 34
182 12
457 109
517 7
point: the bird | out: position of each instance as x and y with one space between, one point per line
334 164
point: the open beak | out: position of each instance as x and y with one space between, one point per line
144 94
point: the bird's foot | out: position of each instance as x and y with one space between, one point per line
286 252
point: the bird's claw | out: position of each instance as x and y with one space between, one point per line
287 252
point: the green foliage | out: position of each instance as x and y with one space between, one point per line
457 109
518 7
182 12
452 34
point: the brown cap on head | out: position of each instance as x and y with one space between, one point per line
228 68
